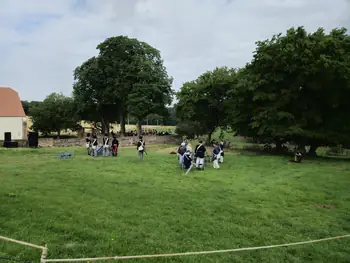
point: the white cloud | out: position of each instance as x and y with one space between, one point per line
41 42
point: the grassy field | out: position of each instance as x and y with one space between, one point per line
120 206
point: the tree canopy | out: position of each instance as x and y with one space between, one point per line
55 113
295 89
96 99
127 77
203 101
27 105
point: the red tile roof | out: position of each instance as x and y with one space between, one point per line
10 104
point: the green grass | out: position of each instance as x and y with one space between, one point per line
89 207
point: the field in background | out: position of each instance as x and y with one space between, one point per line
121 206
147 127
116 127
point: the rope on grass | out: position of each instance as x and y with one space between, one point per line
194 253
43 249
13 260
22 243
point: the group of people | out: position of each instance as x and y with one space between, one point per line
186 156
107 148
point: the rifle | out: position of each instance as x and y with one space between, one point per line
189 169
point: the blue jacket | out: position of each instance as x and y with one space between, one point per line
216 151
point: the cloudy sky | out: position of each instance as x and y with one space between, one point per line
42 41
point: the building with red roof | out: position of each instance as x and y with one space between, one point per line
12 117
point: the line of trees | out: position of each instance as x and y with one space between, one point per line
295 89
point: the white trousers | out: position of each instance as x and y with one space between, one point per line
105 150
221 159
216 164
181 160
199 162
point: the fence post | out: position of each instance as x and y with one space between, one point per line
43 255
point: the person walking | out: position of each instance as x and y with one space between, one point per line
141 148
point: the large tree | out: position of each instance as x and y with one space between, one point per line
95 95
136 72
296 89
203 100
56 113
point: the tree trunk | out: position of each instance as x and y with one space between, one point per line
312 150
58 134
122 124
139 129
105 126
209 137
278 143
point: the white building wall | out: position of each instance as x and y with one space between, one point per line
13 125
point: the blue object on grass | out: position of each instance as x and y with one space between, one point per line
66 155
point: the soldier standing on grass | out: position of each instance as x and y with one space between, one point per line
181 151
115 146
88 143
199 152
221 145
141 148
94 145
106 145
216 156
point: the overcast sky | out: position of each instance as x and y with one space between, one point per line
42 41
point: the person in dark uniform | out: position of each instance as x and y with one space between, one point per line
216 155
181 151
115 146
298 157
106 145
94 145
221 145
200 154
141 147
187 159
88 143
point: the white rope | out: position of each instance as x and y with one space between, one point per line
22 243
194 253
